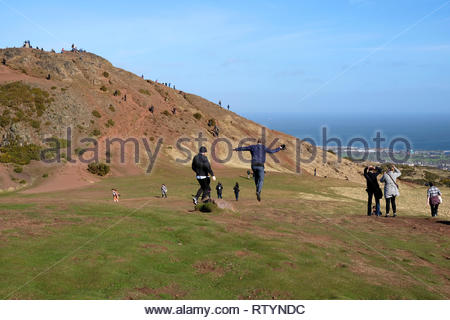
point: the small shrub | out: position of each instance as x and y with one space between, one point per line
53 88
103 88
18 169
197 115
430 176
117 93
206 207
112 108
63 89
96 132
35 124
22 181
106 74
145 91
211 122
45 175
96 114
166 113
19 154
110 123
100 169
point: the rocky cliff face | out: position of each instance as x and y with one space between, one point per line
44 93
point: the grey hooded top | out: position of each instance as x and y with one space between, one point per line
390 183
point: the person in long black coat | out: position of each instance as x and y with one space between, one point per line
373 189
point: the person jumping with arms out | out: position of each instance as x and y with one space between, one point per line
202 168
258 153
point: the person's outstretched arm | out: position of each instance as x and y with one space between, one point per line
247 148
272 150
398 173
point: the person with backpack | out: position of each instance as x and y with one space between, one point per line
163 191
434 198
391 190
373 189
219 189
258 153
202 169
236 191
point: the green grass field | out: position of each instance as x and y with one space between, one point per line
305 240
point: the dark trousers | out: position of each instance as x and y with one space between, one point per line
390 201
204 189
371 194
219 194
258 175
236 194
434 209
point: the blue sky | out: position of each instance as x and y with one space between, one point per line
262 56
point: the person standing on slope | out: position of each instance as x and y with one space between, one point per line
219 189
434 199
373 189
391 191
236 191
258 153
202 168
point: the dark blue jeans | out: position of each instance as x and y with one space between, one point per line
258 174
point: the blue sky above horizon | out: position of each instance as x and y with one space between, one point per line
343 56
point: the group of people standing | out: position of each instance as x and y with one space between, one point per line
391 191
219 189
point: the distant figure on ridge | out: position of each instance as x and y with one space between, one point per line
228 107
258 152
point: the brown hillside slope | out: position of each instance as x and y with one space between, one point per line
88 95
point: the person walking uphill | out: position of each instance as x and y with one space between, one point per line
219 189
202 168
373 189
434 199
258 152
391 191
236 191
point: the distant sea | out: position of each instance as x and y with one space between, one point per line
424 132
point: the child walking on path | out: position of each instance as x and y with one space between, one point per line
163 191
115 195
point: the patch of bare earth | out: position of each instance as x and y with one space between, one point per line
264 294
173 290
209 267
153 248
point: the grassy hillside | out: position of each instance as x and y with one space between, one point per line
308 239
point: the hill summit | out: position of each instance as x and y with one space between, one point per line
42 94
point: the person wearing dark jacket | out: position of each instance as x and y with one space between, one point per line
202 169
236 191
373 189
219 189
258 153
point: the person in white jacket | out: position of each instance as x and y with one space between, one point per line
391 191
